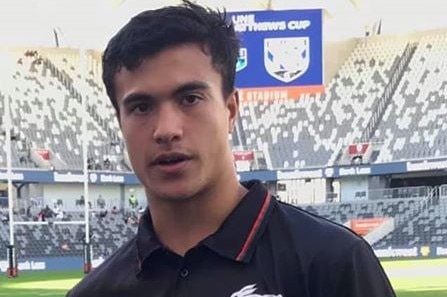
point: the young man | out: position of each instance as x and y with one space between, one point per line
170 76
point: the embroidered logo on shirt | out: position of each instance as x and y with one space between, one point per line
248 291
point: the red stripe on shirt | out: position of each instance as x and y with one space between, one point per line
255 227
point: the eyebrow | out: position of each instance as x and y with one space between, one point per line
184 88
191 86
137 96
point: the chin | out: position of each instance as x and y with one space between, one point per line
177 189
173 192
174 196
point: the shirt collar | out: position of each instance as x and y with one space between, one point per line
146 239
235 239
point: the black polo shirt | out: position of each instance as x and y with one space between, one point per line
264 248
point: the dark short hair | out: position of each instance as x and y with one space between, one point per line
152 31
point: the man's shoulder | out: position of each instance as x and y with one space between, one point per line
329 258
313 232
123 262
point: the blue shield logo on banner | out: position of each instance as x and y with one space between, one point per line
242 60
286 58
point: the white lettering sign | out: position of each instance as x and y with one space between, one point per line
247 22
27 265
426 165
68 177
355 171
300 174
15 176
440 251
264 95
111 178
394 253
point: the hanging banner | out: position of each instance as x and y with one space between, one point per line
281 53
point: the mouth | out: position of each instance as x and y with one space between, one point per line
170 159
171 162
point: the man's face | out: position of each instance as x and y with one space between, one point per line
175 122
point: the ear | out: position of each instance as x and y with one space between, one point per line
232 105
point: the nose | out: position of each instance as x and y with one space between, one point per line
169 124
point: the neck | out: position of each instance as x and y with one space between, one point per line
181 225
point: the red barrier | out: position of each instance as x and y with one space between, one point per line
44 154
357 149
243 155
364 226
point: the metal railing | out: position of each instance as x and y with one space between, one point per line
386 193
443 191
388 93
394 193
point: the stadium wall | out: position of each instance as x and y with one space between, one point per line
50 264
379 182
69 193
76 263
350 186
302 191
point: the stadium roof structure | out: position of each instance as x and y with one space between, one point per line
90 23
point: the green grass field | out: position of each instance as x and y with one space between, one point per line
418 278
410 278
30 284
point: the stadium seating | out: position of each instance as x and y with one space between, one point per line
19 153
291 132
419 220
341 213
46 106
48 116
429 226
414 126
90 83
60 238
310 131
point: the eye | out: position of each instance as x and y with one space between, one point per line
191 99
140 108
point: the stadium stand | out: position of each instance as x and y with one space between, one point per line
19 150
310 131
400 204
56 238
291 132
420 218
414 125
427 226
90 85
48 117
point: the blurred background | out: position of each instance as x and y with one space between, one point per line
363 142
